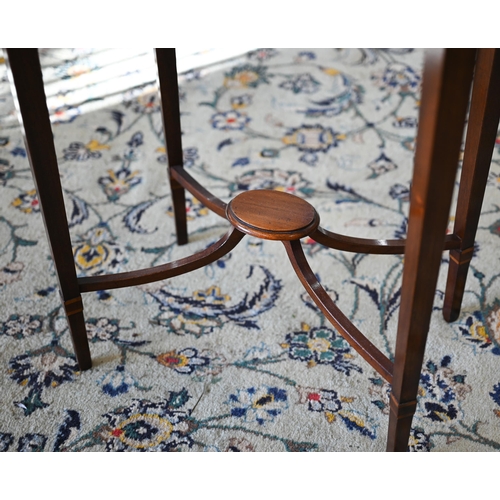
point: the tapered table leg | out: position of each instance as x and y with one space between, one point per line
169 94
445 94
480 140
26 76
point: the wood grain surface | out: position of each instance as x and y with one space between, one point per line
272 215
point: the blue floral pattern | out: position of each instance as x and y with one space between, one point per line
320 345
146 426
234 356
258 404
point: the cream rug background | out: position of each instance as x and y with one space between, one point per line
233 357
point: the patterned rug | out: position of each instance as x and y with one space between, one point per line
235 356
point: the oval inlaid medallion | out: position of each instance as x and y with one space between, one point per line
272 215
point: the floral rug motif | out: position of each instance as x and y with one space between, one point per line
235 356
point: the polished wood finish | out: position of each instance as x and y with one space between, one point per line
480 141
339 320
164 271
366 245
197 190
272 215
25 75
280 216
169 96
445 95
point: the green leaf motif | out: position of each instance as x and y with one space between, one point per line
31 403
26 243
178 399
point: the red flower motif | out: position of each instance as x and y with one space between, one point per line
313 396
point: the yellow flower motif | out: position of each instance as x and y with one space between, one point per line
212 295
125 431
96 252
119 183
96 146
412 441
89 257
238 105
312 138
330 417
173 359
318 344
444 417
27 202
241 79
478 331
330 71
346 399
